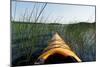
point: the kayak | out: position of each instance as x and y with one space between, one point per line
57 51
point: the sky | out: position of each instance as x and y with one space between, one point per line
60 13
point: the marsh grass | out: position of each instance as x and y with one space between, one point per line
30 44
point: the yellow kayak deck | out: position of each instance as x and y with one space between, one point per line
56 52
